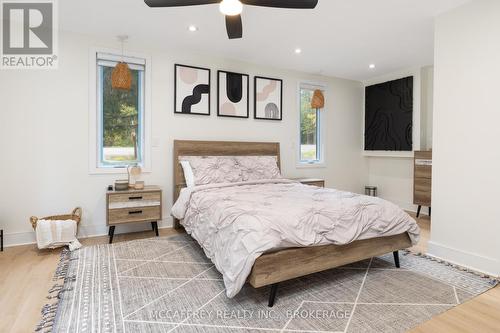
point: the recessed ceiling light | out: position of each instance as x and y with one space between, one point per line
193 28
372 66
298 51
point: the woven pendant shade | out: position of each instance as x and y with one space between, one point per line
121 78
318 100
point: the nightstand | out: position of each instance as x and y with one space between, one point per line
133 206
311 181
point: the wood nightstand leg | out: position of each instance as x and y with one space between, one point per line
418 210
155 228
429 211
111 233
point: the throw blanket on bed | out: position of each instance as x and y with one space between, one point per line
236 223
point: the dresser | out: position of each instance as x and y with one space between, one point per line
133 206
422 180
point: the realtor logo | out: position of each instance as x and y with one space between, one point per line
29 34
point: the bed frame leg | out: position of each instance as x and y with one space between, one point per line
272 295
396 258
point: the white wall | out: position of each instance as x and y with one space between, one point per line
393 175
45 133
466 161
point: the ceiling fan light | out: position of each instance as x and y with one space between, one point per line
231 7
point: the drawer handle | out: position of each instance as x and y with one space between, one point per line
135 198
135 212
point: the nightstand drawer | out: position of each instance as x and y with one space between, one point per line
315 183
311 181
128 215
134 197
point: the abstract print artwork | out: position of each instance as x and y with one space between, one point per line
389 116
232 94
192 90
268 98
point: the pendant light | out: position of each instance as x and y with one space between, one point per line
121 77
318 100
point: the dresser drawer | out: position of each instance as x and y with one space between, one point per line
422 198
423 184
423 171
134 197
128 215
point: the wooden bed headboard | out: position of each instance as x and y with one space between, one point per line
218 148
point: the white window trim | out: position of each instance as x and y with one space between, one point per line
322 133
94 112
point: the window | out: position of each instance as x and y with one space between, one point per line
120 114
310 128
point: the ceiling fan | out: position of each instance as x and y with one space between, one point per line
233 8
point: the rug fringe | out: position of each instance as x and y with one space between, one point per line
49 310
492 279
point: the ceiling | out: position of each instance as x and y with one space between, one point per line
338 38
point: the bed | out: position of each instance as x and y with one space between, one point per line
277 263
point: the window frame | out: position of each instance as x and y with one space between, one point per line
95 121
321 119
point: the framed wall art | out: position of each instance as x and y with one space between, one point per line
268 98
389 116
232 94
192 90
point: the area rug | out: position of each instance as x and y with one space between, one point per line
168 285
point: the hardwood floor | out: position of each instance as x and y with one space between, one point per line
26 276
424 223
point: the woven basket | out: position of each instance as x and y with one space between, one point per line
121 78
76 215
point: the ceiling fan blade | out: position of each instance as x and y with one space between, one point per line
234 26
294 4
179 3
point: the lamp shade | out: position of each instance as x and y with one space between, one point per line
318 100
121 78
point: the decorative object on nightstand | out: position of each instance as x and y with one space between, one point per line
134 172
121 185
371 190
422 180
311 181
133 206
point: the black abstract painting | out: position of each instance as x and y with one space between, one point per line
232 94
192 90
389 115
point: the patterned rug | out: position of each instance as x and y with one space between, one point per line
168 285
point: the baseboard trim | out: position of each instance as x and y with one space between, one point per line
476 262
84 231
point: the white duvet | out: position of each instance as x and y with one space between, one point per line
236 223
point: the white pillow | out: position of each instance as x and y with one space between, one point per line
188 173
